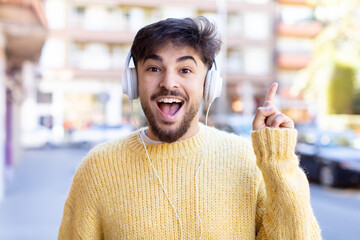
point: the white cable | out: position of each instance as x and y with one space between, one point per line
158 177
197 171
133 118
162 186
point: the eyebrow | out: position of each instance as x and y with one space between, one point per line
184 58
180 59
154 57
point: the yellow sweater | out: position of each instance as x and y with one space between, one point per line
115 193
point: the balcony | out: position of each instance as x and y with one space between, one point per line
81 35
234 78
293 61
69 74
24 27
295 2
97 74
305 30
201 5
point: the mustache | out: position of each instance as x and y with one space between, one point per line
167 93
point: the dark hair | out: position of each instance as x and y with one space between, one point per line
198 33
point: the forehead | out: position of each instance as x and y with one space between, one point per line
170 52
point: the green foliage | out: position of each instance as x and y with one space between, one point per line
357 102
341 90
338 44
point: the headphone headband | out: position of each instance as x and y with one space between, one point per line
127 60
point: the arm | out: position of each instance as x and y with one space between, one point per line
81 218
284 210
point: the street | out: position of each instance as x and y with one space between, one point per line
337 211
32 208
33 205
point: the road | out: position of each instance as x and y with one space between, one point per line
35 196
337 211
33 205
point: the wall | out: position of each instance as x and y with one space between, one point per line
2 114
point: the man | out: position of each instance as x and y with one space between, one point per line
179 179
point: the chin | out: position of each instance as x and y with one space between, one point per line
168 133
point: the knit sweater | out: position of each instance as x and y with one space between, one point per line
246 191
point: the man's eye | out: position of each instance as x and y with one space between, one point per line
185 70
153 69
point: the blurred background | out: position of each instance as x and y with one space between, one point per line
60 93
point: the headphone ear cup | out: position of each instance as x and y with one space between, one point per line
207 85
212 86
134 83
130 84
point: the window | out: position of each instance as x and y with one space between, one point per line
44 97
257 26
257 61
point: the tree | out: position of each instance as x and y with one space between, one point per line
341 90
336 48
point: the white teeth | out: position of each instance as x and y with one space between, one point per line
170 100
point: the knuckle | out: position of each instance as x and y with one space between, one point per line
268 103
260 110
266 109
279 119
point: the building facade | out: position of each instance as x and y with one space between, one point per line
22 34
296 27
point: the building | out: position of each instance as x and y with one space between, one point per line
296 28
22 34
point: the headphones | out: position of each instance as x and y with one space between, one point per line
212 86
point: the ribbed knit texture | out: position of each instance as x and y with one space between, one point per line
116 195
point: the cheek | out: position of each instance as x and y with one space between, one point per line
145 87
197 91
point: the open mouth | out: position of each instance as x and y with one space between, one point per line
169 106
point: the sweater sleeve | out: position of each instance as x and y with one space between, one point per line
284 209
81 218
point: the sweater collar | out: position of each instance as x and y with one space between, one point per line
146 139
192 145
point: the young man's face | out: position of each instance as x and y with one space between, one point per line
171 88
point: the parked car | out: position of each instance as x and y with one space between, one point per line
38 137
329 157
98 134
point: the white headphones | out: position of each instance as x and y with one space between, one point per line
212 87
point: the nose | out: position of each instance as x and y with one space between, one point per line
169 80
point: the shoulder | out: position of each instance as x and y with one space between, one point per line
230 144
104 156
99 168
114 145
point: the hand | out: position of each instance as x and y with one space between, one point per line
269 116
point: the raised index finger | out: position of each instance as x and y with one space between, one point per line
271 92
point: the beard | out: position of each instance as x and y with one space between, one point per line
169 135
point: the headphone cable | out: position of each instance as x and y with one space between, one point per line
196 173
158 177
